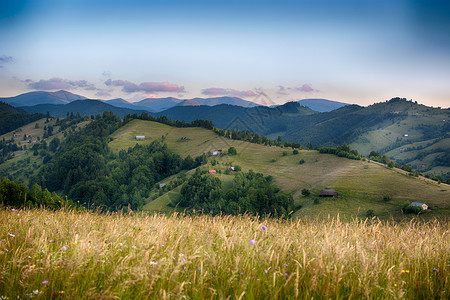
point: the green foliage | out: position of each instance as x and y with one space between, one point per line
341 151
387 198
409 209
12 118
295 151
17 195
301 161
250 193
306 192
232 151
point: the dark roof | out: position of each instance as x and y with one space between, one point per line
328 192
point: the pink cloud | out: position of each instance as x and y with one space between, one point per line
306 88
228 92
148 87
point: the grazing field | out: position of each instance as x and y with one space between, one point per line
83 255
362 184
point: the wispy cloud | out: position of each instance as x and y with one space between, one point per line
228 92
148 87
4 59
306 88
57 83
102 93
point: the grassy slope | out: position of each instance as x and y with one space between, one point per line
362 184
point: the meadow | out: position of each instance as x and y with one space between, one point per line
84 255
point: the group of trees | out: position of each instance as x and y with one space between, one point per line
341 151
165 120
253 137
17 195
250 193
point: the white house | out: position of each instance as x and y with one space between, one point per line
140 137
423 205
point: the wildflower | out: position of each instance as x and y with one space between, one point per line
45 282
405 271
12 209
252 242
285 265
395 284
435 270
264 228
64 248
286 274
265 271
11 235
153 263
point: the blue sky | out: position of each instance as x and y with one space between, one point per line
353 51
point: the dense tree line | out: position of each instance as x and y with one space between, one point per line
250 193
165 120
253 137
341 151
17 195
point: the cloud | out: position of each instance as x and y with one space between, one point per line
306 88
148 87
282 90
101 93
228 92
4 59
57 83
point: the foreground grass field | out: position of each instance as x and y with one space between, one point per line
78 255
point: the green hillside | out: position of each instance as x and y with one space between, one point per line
362 184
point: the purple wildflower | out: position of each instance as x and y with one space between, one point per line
265 271
64 248
45 282
11 235
12 209
286 274
285 265
252 242
435 270
264 228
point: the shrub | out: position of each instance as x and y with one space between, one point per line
306 192
295 152
370 213
302 161
387 198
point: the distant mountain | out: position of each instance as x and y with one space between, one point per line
188 103
322 105
34 98
119 102
225 100
158 104
12 118
84 107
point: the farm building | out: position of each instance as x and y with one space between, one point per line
140 137
212 172
216 153
328 193
161 185
232 169
423 205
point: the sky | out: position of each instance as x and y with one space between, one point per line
268 52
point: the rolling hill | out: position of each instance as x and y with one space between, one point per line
12 118
362 184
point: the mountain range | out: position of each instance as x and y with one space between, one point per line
154 104
406 131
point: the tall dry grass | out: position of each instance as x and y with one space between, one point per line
73 255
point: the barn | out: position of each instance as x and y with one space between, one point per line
212 172
328 193
140 137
